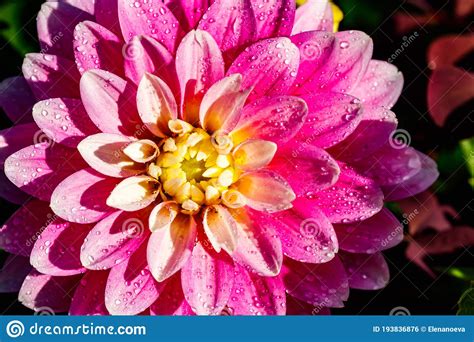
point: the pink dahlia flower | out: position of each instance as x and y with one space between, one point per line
201 157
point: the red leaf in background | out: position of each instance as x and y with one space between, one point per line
464 8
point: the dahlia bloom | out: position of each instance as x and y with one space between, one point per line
201 157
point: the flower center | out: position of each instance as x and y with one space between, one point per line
195 168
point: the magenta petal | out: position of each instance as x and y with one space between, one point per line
114 239
207 280
255 295
275 18
296 307
449 88
21 230
353 198
95 47
306 233
276 119
381 231
82 197
381 85
317 284
188 12
342 70
390 165
131 288
331 118
54 23
57 250
39 168
15 138
16 99
171 301
232 24
64 120
151 18
47 294
51 76
144 54
106 14
268 66
199 65
366 271
313 15
416 184
313 169
84 5
109 101
373 132
88 298
13 272
258 247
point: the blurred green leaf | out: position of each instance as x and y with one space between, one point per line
13 31
467 147
463 273
466 302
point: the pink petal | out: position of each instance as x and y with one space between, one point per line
381 231
390 165
313 15
343 69
106 14
188 12
151 18
104 153
88 298
256 295
114 239
107 100
317 284
259 248
95 47
306 168
82 197
57 250
21 230
276 119
54 24
306 233
352 199
64 120
171 301
83 5
16 99
416 184
13 272
45 293
143 55
199 65
381 85
448 89
156 105
366 271
231 23
275 18
207 280
131 288
250 185
268 66
331 118
374 130
220 228
39 168
51 76
170 247
222 105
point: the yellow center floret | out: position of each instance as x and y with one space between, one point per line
195 168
